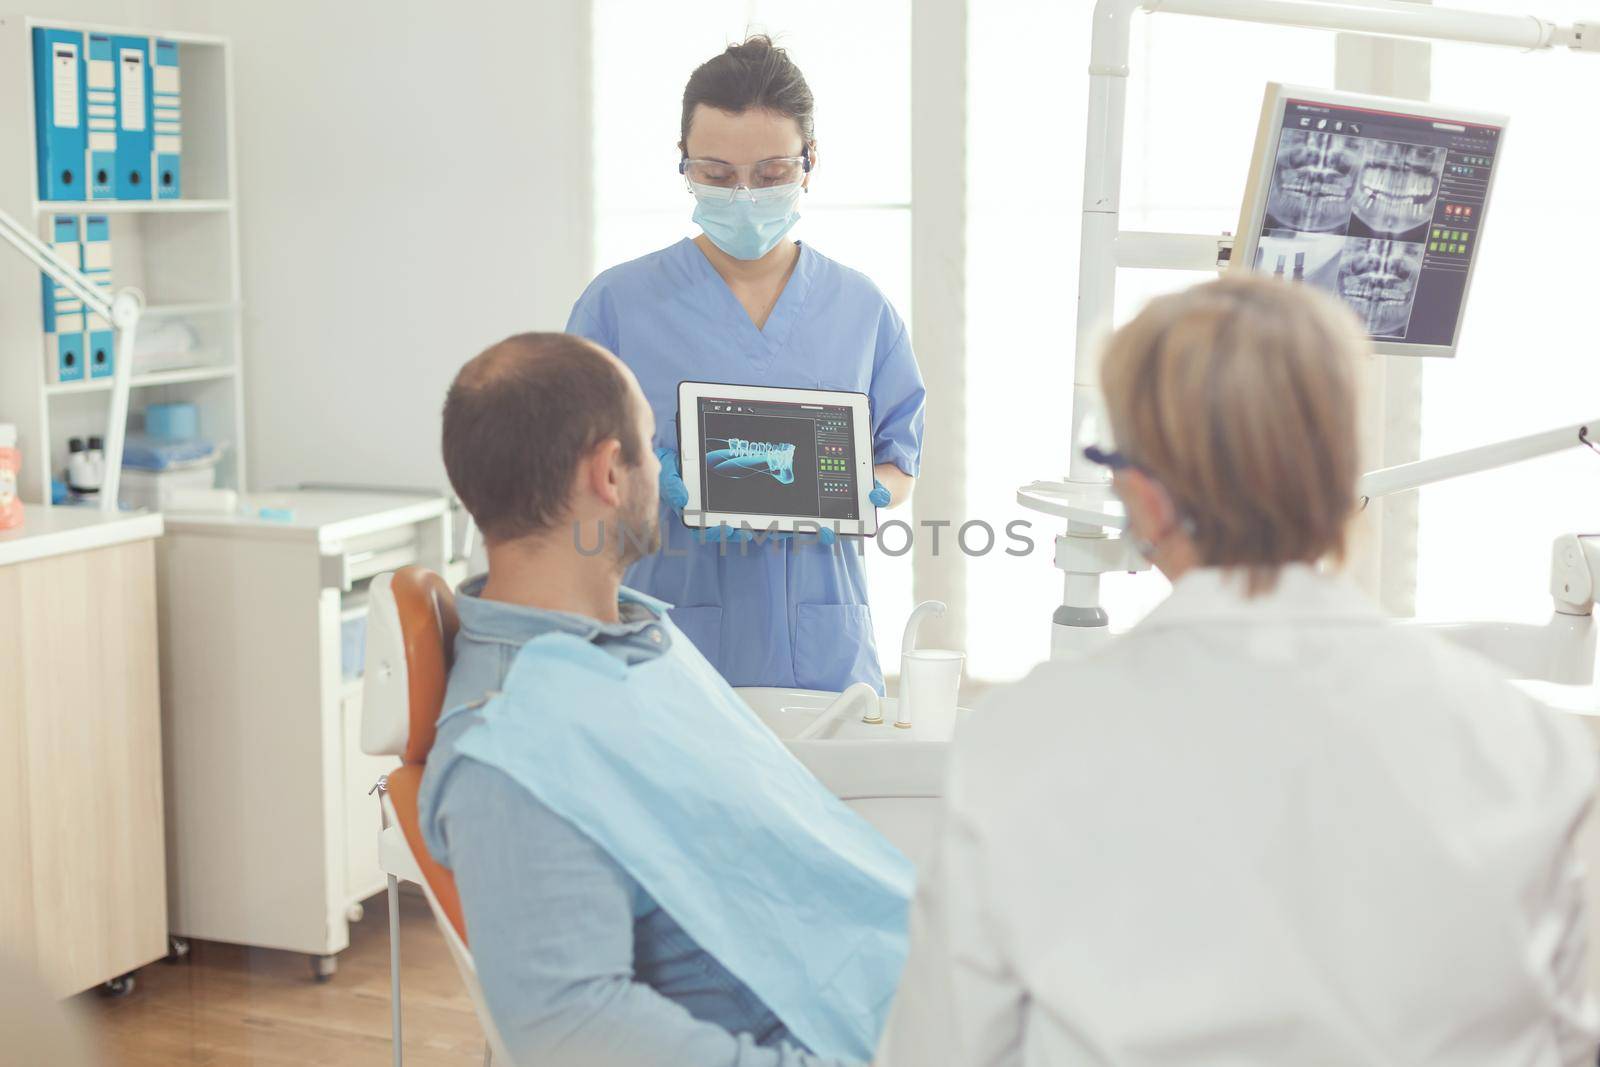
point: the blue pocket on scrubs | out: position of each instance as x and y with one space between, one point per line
703 626
834 647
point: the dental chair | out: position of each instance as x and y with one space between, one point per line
411 629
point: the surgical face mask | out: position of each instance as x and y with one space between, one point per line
1147 547
751 222
1099 446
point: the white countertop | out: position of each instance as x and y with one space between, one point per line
1574 699
57 531
310 514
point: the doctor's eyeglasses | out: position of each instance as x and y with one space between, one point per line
1097 442
711 177
1109 458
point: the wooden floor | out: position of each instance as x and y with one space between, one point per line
227 1006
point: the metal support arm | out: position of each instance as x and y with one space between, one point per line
1384 18
122 309
1423 472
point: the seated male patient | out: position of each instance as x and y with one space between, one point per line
648 877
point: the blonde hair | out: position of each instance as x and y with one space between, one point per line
1239 397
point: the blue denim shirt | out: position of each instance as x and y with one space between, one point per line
578 963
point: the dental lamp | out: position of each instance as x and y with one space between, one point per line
1089 546
122 309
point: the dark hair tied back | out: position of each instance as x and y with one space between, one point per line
753 74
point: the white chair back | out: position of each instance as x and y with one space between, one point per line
386 689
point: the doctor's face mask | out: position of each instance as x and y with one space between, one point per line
752 222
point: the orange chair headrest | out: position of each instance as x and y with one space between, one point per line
428 623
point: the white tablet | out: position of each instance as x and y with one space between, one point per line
791 460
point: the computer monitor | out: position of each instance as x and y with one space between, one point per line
1381 202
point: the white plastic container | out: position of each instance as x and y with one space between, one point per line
930 683
155 489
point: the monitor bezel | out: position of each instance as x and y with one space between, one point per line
1253 210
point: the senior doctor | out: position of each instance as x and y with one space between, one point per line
742 304
1267 826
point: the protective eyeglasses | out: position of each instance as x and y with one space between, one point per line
714 179
1111 460
1097 443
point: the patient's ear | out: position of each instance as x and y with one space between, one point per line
604 472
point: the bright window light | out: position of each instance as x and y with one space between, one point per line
1184 171
1526 361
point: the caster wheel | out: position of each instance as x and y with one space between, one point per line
118 987
177 949
355 912
324 967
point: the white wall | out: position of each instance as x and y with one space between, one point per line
154 13
414 182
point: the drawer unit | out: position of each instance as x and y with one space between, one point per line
272 837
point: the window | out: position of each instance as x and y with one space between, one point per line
1526 361
858 210
1191 123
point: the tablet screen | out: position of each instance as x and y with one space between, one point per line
766 457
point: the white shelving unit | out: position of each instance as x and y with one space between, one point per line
182 254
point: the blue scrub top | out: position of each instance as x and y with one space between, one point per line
785 613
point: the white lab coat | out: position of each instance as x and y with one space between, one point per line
1269 831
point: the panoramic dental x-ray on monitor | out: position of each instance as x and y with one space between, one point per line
1380 202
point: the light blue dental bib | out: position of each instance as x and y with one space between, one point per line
664 767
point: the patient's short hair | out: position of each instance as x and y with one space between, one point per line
1239 396
518 419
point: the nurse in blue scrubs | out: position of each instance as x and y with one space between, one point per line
744 304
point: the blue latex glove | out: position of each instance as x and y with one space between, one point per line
676 494
879 496
673 491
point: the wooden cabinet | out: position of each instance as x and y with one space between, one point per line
83 876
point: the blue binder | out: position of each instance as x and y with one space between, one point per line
63 313
100 342
58 113
133 117
100 76
167 116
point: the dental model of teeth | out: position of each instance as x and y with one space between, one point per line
779 457
741 458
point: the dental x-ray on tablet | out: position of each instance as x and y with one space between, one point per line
786 460
1379 201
